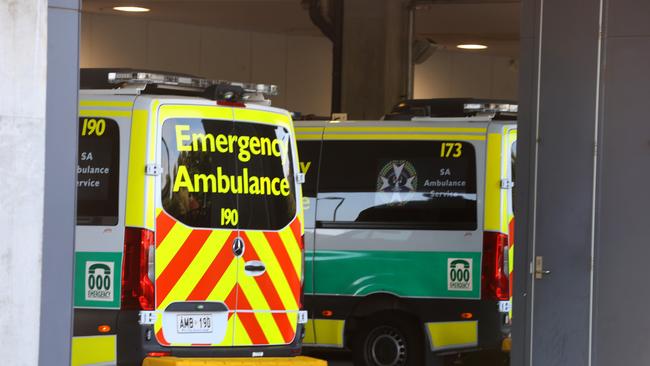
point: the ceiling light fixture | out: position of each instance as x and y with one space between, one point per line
472 46
131 9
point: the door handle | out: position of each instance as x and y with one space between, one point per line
254 268
540 272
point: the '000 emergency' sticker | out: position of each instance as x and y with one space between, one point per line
459 274
99 281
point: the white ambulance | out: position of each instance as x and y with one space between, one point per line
409 231
189 238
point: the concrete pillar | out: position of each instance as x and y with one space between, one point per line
375 56
60 181
23 46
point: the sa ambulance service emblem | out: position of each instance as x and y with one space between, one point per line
459 274
99 281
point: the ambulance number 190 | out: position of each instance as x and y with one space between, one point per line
93 126
229 217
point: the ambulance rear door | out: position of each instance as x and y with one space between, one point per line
226 210
195 270
270 215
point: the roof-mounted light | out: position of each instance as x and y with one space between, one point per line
253 91
490 107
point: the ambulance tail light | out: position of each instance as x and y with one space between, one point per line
494 277
137 272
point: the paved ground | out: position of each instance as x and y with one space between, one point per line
474 359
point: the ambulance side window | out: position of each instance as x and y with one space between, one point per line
98 172
398 184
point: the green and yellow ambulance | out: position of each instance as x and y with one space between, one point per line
409 235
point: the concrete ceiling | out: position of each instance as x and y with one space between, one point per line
448 23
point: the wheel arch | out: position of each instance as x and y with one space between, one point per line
373 304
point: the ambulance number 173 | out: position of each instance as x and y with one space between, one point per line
451 149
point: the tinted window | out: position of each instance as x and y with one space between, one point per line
220 174
417 184
309 153
98 172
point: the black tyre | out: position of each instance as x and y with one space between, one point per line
388 340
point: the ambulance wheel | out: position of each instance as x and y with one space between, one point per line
388 340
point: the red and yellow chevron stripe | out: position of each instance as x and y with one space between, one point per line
198 265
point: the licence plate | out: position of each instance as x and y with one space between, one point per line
194 323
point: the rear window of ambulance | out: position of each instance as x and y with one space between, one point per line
98 165
220 174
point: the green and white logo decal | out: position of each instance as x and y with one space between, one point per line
97 279
459 274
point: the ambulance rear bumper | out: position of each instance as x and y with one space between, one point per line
135 342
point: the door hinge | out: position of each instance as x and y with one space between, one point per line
153 169
507 184
300 178
147 317
303 317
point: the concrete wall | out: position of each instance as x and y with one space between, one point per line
448 74
23 46
300 65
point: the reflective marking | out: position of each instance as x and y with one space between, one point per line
329 332
106 113
259 116
310 336
214 272
135 206
372 129
395 136
225 283
173 272
301 136
104 103
274 272
170 246
492 216
93 350
448 335
190 278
